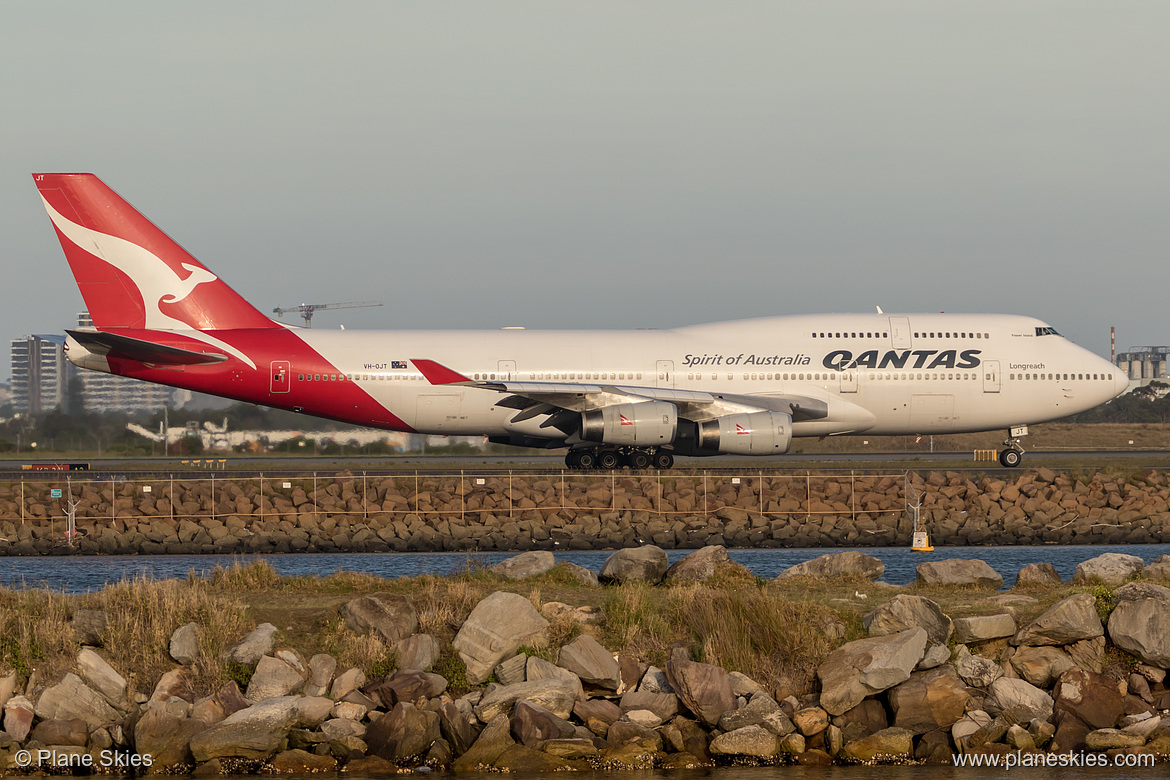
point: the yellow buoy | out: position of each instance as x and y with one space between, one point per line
921 542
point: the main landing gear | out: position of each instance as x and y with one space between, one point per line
610 458
1013 453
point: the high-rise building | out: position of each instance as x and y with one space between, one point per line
41 378
40 374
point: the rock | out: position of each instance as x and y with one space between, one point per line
525 760
176 682
1111 569
635 564
321 669
935 655
347 681
1142 628
18 717
742 685
569 749
580 573
61 732
1088 654
71 698
254 732
495 629
699 566
458 725
984 628
313 710
166 738
527 564
844 564
1041 665
930 700
1097 700
1037 575
1159 569
404 733
655 681
539 669
89 626
214 708
273 677
703 688
903 612
301 762
532 724
409 685
495 738
810 721
968 725
663 705
1133 591
102 678
748 741
555 695
512 670
388 615
868 666
959 571
1071 620
184 646
256 644
419 651
1007 693
591 662
1019 739
975 670
1112 739
891 743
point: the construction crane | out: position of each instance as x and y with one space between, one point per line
306 309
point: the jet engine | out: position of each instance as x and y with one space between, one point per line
755 433
643 424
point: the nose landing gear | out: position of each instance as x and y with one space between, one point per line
609 458
1013 452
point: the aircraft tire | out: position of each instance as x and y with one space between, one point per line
571 459
608 460
586 460
639 460
663 460
1009 459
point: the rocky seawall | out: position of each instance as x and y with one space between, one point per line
1087 673
354 513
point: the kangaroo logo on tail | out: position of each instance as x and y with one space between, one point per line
157 282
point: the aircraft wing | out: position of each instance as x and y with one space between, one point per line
535 398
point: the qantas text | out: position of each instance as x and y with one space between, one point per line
843 359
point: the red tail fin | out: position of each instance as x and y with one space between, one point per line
131 274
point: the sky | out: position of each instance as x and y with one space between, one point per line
609 165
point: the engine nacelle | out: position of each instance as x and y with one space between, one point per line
642 424
757 433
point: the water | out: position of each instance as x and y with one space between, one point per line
83 573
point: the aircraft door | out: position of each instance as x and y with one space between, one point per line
849 381
507 369
991 378
281 374
900 333
664 372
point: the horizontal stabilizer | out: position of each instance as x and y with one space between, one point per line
127 348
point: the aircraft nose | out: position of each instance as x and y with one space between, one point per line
1120 381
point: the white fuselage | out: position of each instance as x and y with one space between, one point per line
878 373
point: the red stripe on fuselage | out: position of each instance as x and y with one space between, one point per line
337 399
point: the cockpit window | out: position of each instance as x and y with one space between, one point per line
1046 332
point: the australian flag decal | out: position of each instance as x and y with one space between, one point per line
397 364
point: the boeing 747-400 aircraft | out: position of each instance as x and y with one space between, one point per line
614 398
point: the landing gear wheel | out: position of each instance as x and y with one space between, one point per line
1010 458
571 459
663 460
607 460
639 460
586 459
